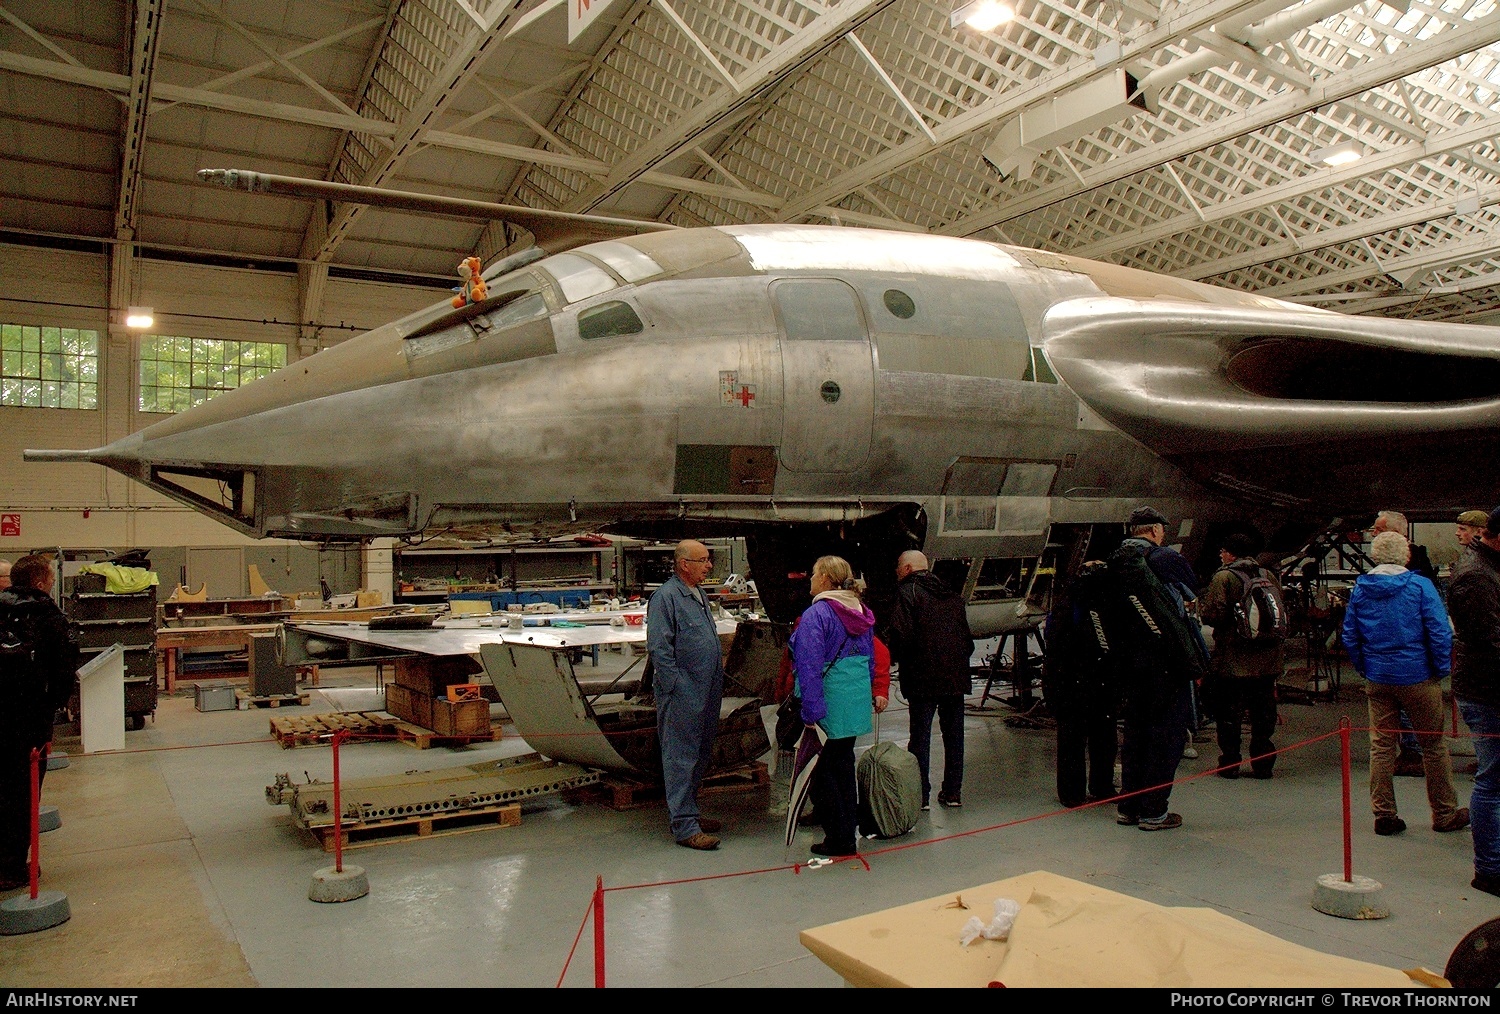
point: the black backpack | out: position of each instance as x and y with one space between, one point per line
17 656
1259 614
1148 618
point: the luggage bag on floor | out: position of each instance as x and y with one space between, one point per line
890 791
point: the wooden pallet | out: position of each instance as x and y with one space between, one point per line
620 792
306 730
364 834
415 735
245 701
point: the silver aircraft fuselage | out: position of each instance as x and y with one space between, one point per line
793 373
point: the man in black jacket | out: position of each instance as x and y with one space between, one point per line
1474 604
40 658
929 639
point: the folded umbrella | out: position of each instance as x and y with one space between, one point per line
809 749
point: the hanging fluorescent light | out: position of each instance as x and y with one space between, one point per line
981 15
139 317
1339 154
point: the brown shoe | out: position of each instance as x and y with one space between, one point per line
1457 822
709 824
700 841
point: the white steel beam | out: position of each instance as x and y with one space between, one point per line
824 30
1438 143
1403 269
1444 46
1012 100
911 110
698 44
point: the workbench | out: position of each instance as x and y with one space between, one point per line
171 641
464 635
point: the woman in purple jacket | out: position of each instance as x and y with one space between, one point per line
833 653
1398 638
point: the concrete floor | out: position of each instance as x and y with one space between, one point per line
179 873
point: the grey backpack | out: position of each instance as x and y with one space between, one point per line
890 790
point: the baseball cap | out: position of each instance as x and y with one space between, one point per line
1474 519
1152 516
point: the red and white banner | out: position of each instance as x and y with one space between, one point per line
582 13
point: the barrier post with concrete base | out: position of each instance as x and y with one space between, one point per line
336 883
35 910
1349 897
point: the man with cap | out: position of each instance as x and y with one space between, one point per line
1158 694
1470 526
1474 605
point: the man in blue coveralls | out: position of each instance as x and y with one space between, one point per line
689 684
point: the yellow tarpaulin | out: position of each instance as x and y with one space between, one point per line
122 580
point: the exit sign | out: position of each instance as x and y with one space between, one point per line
10 526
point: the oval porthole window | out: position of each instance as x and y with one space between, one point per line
830 391
900 304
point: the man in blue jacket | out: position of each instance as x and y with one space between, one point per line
689 685
1398 638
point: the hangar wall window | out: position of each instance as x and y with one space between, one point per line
608 320
49 367
178 373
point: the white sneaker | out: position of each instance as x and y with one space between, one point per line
1189 753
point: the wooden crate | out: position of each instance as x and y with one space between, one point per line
460 718
433 675
409 705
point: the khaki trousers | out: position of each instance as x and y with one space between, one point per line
1424 703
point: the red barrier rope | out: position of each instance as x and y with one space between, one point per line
587 915
596 901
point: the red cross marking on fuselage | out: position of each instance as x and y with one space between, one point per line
746 396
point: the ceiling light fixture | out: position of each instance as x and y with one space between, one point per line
1339 154
981 15
139 317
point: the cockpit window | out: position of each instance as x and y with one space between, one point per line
577 278
526 307
624 260
608 320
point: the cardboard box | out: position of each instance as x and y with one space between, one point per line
214 695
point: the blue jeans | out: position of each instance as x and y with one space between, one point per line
1483 721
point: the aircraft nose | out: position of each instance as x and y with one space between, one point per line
224 490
